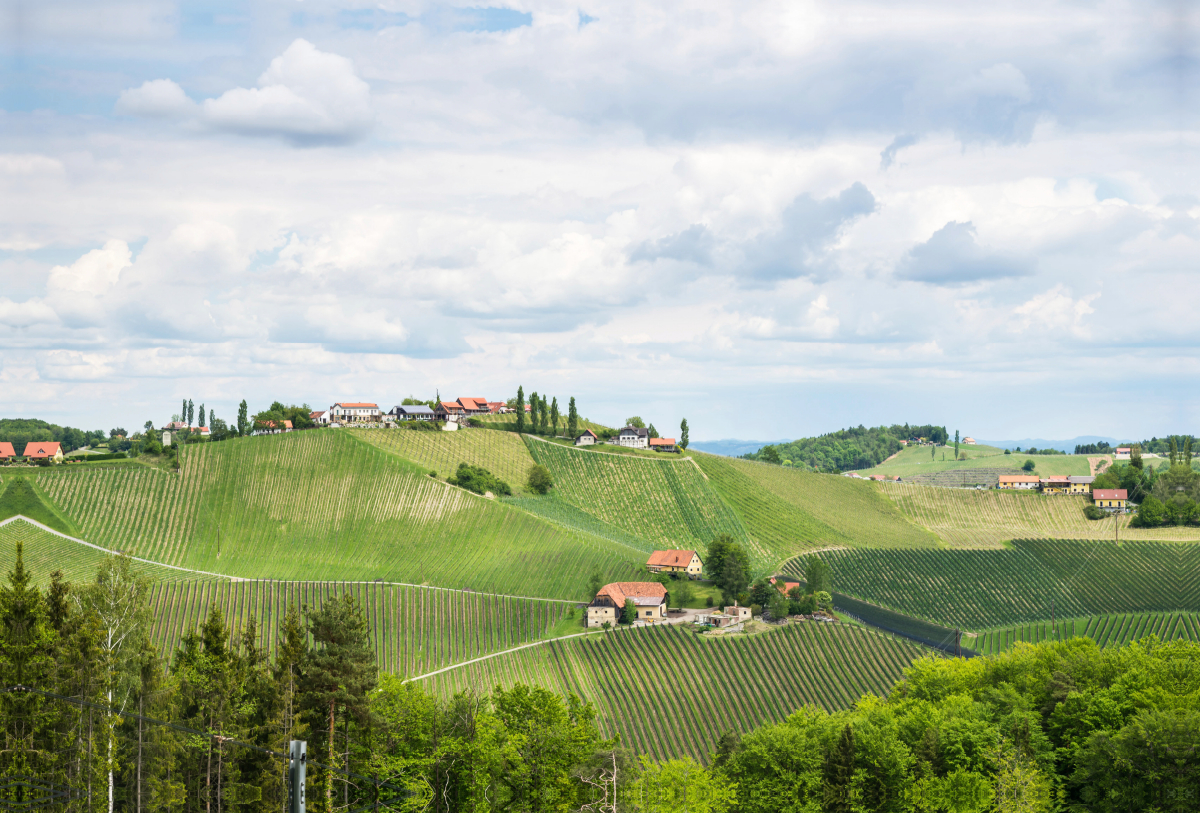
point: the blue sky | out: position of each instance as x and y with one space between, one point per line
774 219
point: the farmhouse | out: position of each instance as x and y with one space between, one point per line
663 444
448 411
1020 481
1056 484
473 406
739 613
783 585
412 412
1080 485
355 413
650 598
43 450
969 441
7 452
675 561
497 407
634 437
320 417
1110 499
588 438
270 428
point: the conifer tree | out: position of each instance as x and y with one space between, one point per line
191 412
535 405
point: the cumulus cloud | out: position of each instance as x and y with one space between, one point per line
1056 310
694 245
306 95
94 272
952 256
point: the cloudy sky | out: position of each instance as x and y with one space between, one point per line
772 218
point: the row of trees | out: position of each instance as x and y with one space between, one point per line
544 417
20 431
854 448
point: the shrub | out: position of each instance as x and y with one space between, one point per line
479 480
539 479
475 422
1029 465
1092 512
423 426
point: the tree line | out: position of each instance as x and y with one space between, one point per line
21 431
848 449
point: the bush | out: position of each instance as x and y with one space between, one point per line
1092 512
1151 513
1029 465
479 480
539 479
423 426
475 422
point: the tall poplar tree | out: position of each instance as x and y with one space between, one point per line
554 416
191 412
683 434
535 405
203 422
243 418
572 418
520 409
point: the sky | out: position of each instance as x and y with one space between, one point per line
774 219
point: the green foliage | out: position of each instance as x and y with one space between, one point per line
1094 513
680 786
817 575
635 422
572 419
20 431
1106 630
629 613
728 566
855 448
683 434
1029 465
540 480
20 497
479 480
520 408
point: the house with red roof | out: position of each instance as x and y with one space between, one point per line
497 407
663 444
649 598
588 438
1019 481
676 561
7 452
448 411
1056 484
40 450
1110 499
473 406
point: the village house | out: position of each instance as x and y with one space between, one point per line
739 613
650 598
411 412
663 444
44 449
7 452
1019 481
497 407
1110 499
449 411
474 406
634 437
1080 485
675 561
968 441
588 438
1056 484
271 428
320 417
350 413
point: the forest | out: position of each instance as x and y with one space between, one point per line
846 449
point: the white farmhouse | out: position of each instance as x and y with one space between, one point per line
634 437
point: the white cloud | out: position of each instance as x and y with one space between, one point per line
1056 310
94 272
25 314
156 98
821 320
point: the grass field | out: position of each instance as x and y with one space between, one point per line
321 504
916 460
668 503
20 496
782 506
1106 630
669 692
971 518
982 589
502 453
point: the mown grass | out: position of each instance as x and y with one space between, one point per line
669 692
322 505
791 510
19 496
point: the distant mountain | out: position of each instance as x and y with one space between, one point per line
732 448
1067 446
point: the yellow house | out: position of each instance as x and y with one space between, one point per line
1022 481
1056 484
675 561
1080 485
649 600
1110 499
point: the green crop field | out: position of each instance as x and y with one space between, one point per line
669 692
1106 630
981 589
413 629
21 497
555 509
916 460
853 511
988 518
323 504
502 453
668 503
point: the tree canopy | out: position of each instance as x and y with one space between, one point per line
854 448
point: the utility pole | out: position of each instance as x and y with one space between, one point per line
297 769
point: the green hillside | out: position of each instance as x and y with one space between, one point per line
321 504
502 453
779 504
668 692
917 460
508 422
666 502
1105 630
19 496
982 589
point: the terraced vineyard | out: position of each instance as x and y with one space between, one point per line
669 692
970 518
320 502
665 502
979 589
1106 630
854 510
502 453
414 629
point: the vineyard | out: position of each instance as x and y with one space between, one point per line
917 460
852 509
1106 630
508 422
970 518
501 453
669 692
320 502
980 589
668 503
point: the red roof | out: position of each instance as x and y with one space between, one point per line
619 591
671 558
6 450
39 450
784 586
1110 494
315 415
589 432
662 441
357 406
474 403
450 406
877 477
1019 478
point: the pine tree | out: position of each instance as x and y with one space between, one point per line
572 419
683 434
520 409
554 416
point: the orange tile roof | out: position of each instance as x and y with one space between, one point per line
450 406
37 450
662 441
1019 478
784 586
619 591
1056 478
473 403
1110 494
6 450
358 406
668 558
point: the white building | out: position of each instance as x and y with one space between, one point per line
634 437
350 413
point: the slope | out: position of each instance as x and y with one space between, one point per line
669 692
20 497
322 504
501 453
792 509
926 460
1105 630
